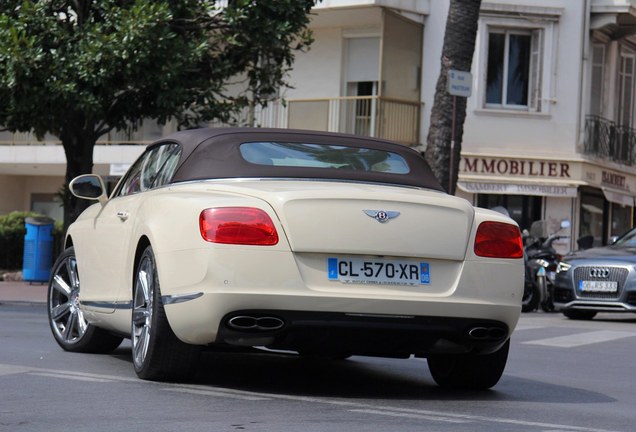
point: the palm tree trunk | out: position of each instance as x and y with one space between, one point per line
457 54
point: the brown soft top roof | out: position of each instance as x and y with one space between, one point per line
213 153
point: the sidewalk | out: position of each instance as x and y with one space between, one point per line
22 292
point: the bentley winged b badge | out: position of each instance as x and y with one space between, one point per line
381 216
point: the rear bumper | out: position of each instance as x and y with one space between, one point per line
205 290
371 326
323 333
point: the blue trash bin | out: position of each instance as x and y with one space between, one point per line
38 249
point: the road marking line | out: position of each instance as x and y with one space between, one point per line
466 418
581 339
69 377
521 327
410 415
6 369
72 374
223 393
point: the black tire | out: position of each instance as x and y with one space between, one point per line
531 296
577 314
469 371
69 327
548 304
158 354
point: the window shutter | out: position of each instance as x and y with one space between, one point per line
598 76
627 89
536 54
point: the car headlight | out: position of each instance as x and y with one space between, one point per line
563 267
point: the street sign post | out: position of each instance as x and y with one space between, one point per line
459 84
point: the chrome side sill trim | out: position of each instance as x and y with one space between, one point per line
107 305
179 298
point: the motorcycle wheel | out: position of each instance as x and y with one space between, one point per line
548 305
530 301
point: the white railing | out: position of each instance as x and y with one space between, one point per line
373 116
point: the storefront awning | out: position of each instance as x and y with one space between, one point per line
618 197
519 189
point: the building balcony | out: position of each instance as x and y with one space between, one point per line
607 140
371 116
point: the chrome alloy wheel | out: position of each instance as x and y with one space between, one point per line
67 319
143 308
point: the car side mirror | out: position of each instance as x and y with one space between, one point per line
90 187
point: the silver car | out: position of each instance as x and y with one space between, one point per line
596 280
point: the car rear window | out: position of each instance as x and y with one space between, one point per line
310 155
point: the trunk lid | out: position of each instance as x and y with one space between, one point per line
349 218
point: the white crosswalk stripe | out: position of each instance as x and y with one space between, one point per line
580 339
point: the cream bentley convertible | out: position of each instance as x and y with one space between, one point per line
325 244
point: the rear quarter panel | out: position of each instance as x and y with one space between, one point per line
169 219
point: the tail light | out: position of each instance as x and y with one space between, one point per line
498 240
238 225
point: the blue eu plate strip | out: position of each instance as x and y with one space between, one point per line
425 273
332 266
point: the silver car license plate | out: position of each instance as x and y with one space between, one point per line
378 271
598 286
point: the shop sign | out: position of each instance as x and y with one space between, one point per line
517 189
607 179
515 167
615 180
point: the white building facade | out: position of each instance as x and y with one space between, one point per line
549 128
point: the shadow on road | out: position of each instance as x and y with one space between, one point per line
360 378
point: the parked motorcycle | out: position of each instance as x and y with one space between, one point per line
541 261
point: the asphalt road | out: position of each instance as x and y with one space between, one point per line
562 375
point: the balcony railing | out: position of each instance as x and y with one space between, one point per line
372 116
607 140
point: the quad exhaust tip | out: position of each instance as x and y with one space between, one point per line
251 323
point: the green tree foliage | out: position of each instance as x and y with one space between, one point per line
78 69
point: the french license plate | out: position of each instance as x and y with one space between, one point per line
378 271
598 286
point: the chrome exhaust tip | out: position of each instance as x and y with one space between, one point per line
487 333
252 323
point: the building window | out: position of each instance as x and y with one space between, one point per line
626 90
513 76
598 80
362 74
523 209
517 53
363 107
594 209
621 219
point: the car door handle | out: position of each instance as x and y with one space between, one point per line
122 215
